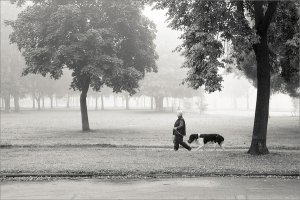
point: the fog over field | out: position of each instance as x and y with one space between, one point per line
238 95
157 99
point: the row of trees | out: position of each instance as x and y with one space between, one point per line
42 98
101 42
158 86
12 64
111 43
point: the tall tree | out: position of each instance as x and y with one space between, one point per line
91 38
266 28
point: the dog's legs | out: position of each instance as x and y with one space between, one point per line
215 146
198 143
199 148
204 147
221 145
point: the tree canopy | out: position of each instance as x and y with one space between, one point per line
278 83
102 42
205 24
91 38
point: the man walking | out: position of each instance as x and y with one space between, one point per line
179 131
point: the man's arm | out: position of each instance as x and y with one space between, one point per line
176 132
181 124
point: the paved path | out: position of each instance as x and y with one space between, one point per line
189 188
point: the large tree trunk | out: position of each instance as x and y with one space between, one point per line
7 103
262 21
16 102
83 108
259 137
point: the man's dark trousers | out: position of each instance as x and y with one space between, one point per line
178 140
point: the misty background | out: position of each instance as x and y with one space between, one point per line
161 91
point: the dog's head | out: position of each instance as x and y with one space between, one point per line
192 138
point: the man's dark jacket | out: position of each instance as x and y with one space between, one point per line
180 124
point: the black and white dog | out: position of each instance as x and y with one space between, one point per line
207 138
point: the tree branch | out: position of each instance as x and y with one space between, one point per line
240 8
241 12
272 5
259 15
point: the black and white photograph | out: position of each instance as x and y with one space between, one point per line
150 99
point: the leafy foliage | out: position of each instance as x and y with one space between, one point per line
284 52
91 38
205 24
278 83
267 28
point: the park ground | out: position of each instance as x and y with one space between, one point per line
139 144
129 155
178 188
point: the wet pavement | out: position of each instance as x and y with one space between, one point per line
176 188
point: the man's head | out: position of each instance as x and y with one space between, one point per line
179 113
192 138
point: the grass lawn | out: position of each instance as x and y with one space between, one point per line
146 161
137 128
138 143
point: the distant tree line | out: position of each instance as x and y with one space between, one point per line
40 60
